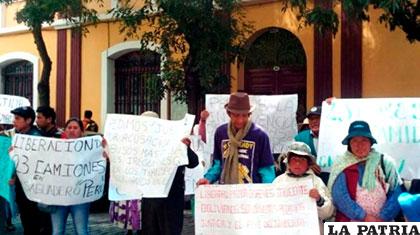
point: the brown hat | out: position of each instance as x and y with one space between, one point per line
239 103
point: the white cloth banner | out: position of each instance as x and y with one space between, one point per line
7 104
144 153
276 114
60 171
238 209
394 122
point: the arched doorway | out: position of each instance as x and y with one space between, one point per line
276 64
17 79
137 76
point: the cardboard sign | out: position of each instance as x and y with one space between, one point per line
256 209
276 114
144 153
60 171
394 123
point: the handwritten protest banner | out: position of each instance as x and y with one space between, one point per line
60 171
7 168
275 113
8 103
144 153
394 122
256 209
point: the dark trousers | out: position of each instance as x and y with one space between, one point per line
163 216
3 215
34 221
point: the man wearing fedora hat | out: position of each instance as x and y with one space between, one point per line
242 151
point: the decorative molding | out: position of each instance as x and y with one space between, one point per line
256 2
108 58
57 25
12 57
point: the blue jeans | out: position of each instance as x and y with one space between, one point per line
80 215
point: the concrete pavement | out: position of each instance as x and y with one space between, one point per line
99 225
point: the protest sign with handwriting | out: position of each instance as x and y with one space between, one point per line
394 122
59 171
144 153
238 209
276 114
8 103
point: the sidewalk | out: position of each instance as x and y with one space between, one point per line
99 225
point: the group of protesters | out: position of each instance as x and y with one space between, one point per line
39 218
363 185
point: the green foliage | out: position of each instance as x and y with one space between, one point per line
403 14
197 38
37 12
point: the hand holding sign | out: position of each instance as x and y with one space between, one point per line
60 171
143 160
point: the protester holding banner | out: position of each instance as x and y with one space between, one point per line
80 213
364 183
45 120
33 220
165 216
200 128
299 161
126 214
242 152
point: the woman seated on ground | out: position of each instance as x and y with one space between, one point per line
364 183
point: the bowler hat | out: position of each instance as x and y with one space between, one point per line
316 110
239 103
25 112
410 204
301 149
359 128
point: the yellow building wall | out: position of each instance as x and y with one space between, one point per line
96 41
390 62
99 39
24 42
10 13
271 15
391 65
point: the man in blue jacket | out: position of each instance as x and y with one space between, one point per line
310 137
